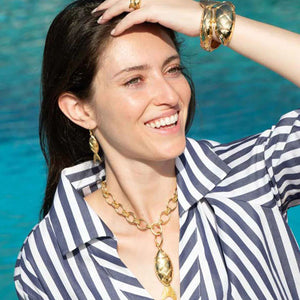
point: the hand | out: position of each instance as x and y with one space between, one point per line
180 15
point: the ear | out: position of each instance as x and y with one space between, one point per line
78 111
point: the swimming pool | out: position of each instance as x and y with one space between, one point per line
235 98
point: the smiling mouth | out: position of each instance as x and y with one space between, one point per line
166 122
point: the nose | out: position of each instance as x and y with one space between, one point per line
164 92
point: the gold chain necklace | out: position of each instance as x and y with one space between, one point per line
163 264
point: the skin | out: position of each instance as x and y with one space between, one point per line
133 151
251 38
140 162
123 103
125 100
136 155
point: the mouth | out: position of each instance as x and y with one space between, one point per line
163 123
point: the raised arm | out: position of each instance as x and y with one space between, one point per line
273 47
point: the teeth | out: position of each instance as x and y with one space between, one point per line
163 122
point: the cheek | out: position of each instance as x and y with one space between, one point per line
132 104
185 92
119 110
128 109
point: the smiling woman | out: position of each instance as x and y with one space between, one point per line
212 216
131 91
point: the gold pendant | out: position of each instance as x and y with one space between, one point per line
163 267
168 292
164 272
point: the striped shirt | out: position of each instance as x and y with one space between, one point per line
234 239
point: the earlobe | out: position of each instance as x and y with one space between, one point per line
78 111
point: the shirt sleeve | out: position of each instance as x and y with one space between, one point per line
26 281
282 155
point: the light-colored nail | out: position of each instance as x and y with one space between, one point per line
96 9
99 20
113 32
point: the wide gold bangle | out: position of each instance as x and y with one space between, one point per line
217 20
225 21
207 41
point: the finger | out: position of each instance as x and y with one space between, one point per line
104 5
134 18
98 13
114 10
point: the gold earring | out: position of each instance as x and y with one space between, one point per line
94 147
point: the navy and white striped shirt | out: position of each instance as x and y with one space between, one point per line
234 239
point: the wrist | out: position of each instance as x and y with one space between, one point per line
217 24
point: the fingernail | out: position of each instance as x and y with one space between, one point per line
113 32
99 20
93 11
97 13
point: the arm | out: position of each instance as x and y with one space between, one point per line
282 158
275 48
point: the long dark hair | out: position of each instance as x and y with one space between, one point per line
73 46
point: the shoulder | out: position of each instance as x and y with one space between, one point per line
36 247
285 130
32 261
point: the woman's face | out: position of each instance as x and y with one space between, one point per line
138 90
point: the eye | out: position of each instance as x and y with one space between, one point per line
175 69
133 81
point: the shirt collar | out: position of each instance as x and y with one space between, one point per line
198 171
74 221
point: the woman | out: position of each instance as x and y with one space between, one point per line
213 217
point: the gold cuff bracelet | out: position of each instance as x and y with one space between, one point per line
218 19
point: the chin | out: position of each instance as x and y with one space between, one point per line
171 150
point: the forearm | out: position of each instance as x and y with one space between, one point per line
277 49
273 47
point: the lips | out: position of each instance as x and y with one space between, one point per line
163 122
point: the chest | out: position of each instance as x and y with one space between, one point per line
139 255
221 252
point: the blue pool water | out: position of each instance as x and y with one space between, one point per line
235 98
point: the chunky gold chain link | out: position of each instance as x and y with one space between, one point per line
163 264
141 224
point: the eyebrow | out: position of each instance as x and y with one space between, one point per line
146 66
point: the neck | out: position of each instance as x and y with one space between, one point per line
141 187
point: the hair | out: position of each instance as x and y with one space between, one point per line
74 44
